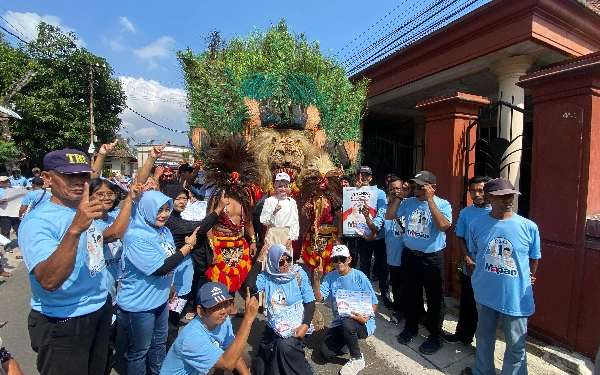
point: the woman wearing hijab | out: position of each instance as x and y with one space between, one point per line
149 257
291 306
183 275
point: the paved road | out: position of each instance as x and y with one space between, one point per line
383 354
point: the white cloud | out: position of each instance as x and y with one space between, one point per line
116 45
26 24
159 48
161 104
128 26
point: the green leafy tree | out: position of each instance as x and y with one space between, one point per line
55 104
214 80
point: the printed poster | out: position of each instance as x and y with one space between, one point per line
348 301
353 200
290 318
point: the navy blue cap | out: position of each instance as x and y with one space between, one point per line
365 169
499 186
67 161
213 293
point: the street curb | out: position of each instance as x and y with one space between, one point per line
571 362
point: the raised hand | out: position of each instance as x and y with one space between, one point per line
318 272
191 239
86 211
251 306
135 191
107 147
157 151
223 202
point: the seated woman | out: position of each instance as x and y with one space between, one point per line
149 257
349 325
291 306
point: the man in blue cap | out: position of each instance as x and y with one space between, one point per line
207 342
69 322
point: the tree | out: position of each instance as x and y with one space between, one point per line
55 104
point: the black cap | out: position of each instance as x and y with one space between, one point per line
365 169
67 161
424 178
186 168
345 177
499 186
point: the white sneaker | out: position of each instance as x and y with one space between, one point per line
353 366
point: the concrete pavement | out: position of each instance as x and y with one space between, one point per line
383 354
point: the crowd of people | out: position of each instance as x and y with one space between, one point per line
144 254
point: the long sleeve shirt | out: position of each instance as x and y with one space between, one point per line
287 216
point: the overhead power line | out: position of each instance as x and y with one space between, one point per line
153 122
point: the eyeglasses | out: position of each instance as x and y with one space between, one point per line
287 260
104 195
339 259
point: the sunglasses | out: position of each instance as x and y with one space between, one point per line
287 260
339 259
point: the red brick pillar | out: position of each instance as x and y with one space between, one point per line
446 119
565 193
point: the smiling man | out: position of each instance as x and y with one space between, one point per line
70 316
503 283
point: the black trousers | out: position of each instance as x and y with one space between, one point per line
467 313
6 223
396 282
423 270
366 250
279 356
346 334
71 346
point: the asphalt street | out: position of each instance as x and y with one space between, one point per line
383 354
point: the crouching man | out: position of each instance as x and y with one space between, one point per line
207 345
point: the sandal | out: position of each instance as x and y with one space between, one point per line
19 257
2 324
5 274
466 371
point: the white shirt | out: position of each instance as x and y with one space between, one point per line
287 216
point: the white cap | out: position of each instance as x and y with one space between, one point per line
3 178
282 176
340 250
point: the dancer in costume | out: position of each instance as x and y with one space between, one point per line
232 169
321 196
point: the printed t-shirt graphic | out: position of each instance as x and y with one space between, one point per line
417 224
95 259
498 258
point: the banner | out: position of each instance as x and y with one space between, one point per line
353 200
14 198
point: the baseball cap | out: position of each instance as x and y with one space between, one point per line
424 178
36 169
282 176
37 181
340 250
67 160
186 168
3 178
499 186
213 293
365 169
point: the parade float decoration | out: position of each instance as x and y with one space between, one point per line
288 98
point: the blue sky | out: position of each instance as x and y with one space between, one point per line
138 38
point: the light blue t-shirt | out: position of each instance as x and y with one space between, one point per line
503 248
112 257
465 217
196 349
420 232
35 195
353 281
393 241
281 295
182 276
84 291
18 183
2 192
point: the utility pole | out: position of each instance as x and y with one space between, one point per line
91 104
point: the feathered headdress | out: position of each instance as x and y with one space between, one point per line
321 176
230 167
